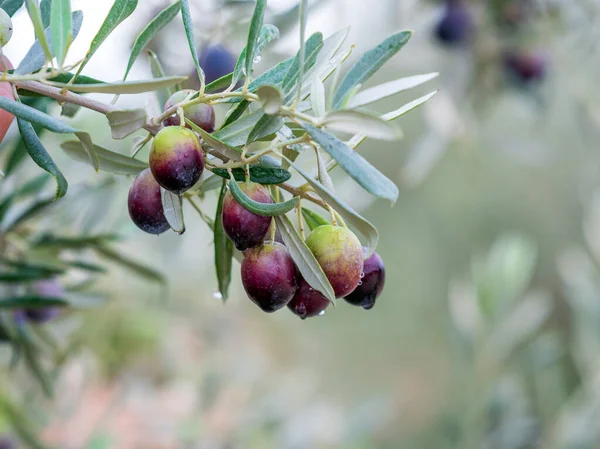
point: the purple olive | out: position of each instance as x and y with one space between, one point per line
202 115
340 255
456 23
216 61
6 442
269 276
176 159
526 67
145 204
308 302
371 285
245 229
49 288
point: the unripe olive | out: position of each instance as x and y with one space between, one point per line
6 28
371 285
308 302
145 204
245 229
269 276
340 255
176 158
202 115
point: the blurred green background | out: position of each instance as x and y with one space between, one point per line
488 331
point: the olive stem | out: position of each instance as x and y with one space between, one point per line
300 222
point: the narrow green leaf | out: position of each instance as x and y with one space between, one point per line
219 84
126 122
267 34
38 27
33 362
303 11
156 67
45 6
52 269
11 6
188 24
371 179
124 87
237 132
262 209
120 10
134 266
19 277
21 424
223 248
31 302
351 121
308 266
158 23
352 217
40 156
313 219
268 124
74 243
173 210
35 57
261 175
270 97
360 138
255 26
313 46
62 33
65 77
370 63
317 97
385 90
107 160
216 143
34 209
32 115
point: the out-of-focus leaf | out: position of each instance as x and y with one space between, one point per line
261 175
156 67
371 179
303 11
21 424
30 212
124 87
351 121
173 210
31 302
266 35
223 249
32 359
270 97
17 277
384 90
266 125
353 218
32 115
125 122
35 57
305 260
134 266
188 24
40 156
313 219
120 10
75 243
255 27
317 97
61 27
107 160
154 26
215 142
11 6
370 63
38 27
45 6
262 209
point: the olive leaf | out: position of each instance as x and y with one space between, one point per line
351 121
152 28
11 6
317 97
157 70
107 160
216 143
304 259
253 33
223 248
266 125
270 98
261 175
38 26
45 6
237 132
40 156
370 63
31 302
60 25
371 179
308 53
125 122
385 90
188 24
173 210
267 34
262 209
313 219
124 87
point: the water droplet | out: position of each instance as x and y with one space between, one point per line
217 295
321 313
359 282
257 59
362 274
